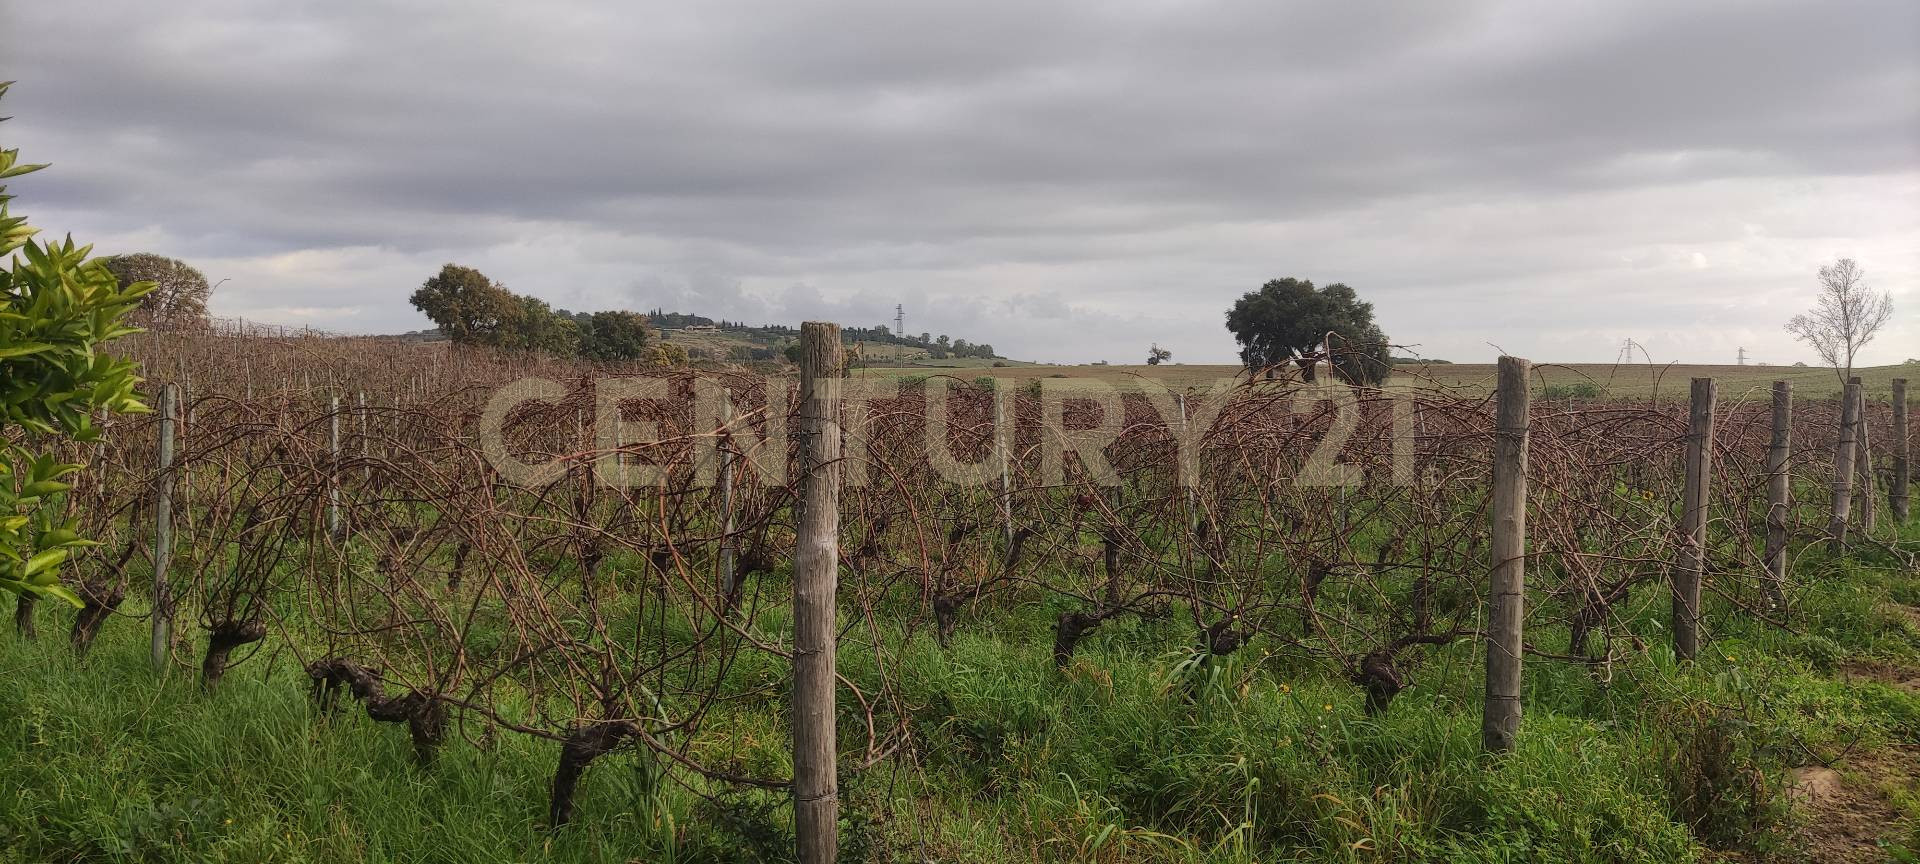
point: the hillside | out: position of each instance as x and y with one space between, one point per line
733 341
728 341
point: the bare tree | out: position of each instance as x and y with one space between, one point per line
1845 318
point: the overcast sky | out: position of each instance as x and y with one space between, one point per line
1068 181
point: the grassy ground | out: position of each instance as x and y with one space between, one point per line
1121 758
1625 381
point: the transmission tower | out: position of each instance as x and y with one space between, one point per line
899 320
1741 358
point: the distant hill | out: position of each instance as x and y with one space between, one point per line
741 342
430 334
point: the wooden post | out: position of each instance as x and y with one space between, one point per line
1863 467
816 569
1506 589
1779 490
1902 455
1193 503
162 643
366 447
1003 441
1693 521
726 504
333 467
1843 467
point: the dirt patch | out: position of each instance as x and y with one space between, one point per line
1848 810
1815 786
1892 675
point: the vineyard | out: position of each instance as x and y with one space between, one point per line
1249 622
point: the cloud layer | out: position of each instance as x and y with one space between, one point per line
1066 181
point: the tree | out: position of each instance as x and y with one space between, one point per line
1845 317
179 297
1157 355
1289 319
474 310
56 309
617 335
663 354
534 326
467 306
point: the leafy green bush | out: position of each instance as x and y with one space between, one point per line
56 308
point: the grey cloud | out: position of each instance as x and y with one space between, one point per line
1126 167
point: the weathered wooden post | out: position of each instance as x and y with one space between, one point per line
816 570
162 642
1693 521
333 466
1506 589
1902 455
1193 503
1864 481
1843 467
725 455
1003 441
1779 490
584 485
366 445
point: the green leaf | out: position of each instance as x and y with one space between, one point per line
59 537
44 487
57 591
43 560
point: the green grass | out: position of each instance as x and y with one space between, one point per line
1121 758
102 761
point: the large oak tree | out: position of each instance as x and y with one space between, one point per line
468 307
179 297
1291 320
